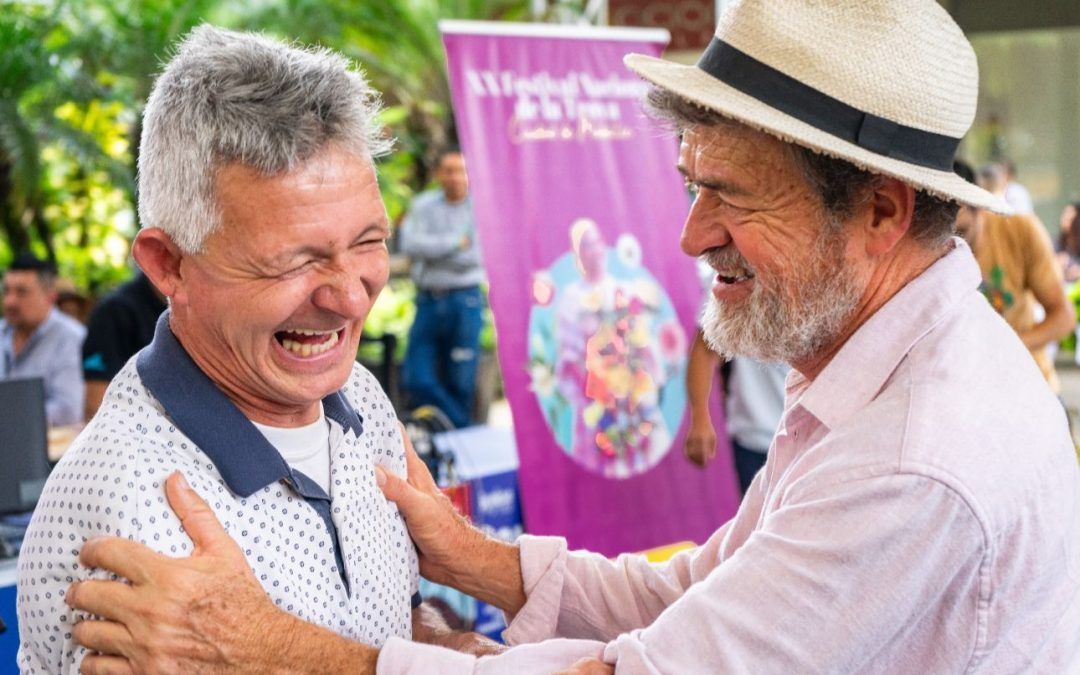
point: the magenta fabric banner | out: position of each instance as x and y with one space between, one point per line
578 209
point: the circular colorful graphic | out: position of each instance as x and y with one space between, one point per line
607 355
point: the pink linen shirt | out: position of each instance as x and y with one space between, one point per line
919 512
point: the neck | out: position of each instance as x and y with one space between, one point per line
887 279
455 199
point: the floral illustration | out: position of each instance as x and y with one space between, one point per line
607 355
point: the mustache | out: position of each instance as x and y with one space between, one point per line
726 258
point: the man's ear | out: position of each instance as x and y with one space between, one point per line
159 258
892 207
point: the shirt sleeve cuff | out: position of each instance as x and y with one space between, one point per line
402 657
543 570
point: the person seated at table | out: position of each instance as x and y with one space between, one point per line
38 340
264 226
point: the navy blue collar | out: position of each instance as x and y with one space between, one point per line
202 412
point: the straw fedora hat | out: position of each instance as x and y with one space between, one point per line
889 85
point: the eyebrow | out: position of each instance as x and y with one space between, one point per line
716 184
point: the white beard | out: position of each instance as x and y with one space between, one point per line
784 320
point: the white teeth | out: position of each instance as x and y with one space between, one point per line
735 277
307 348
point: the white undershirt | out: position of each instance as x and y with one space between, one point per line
306 448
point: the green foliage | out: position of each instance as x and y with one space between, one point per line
74 75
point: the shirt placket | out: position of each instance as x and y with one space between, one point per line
319 501
792 437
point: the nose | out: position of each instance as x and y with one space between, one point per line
703 230
344 292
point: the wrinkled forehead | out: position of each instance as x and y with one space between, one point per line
730 143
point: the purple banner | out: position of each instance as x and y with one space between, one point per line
578 209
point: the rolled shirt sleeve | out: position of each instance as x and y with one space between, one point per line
402 657
585 595
823 585
828 581
826 585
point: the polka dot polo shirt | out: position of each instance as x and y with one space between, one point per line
160 414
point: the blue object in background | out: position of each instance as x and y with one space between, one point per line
486 458
496 509
9 639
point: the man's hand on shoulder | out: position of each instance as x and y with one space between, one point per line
203 613
451 550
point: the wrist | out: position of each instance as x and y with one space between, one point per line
700 415
494 575
300 647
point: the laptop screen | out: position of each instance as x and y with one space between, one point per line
23 444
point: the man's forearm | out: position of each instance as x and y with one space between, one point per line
493 575
700 371
1055 326
295 646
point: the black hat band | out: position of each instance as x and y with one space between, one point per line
821 111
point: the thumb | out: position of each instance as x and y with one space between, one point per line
398 491
200 523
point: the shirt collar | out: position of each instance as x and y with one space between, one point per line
203 413
866 361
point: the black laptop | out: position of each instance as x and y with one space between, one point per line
24 454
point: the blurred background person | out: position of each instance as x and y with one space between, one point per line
992 179
120 325
1016 195
439 236
753 403
1019 270
71 301
38 340
1068 242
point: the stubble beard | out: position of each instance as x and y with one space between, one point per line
785 320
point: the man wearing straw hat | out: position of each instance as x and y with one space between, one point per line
891 529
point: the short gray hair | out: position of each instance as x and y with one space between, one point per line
838 183
239 97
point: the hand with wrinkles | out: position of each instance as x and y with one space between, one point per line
452 551
200 614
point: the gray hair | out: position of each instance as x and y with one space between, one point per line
239 97
838 183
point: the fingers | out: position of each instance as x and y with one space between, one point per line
107 599
122 557
96 664
199 521
105 637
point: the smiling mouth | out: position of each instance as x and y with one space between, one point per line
305 342
734 278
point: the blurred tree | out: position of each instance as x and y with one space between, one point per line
74 75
